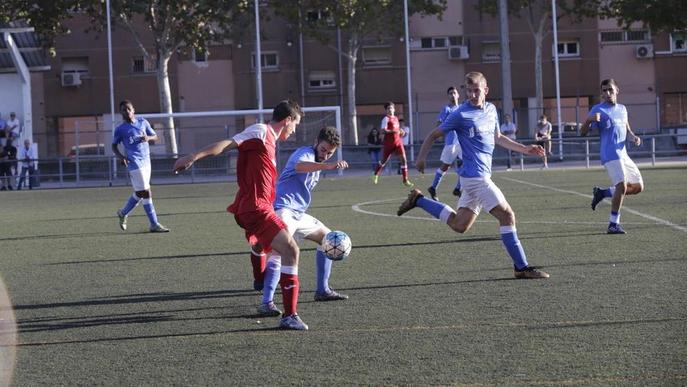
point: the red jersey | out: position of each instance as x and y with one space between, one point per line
256 169
391 123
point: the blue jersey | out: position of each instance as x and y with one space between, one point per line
293 188
449 138
612 130
129 134
475 128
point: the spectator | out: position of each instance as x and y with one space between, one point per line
8 158
374 142
12 127
509 130
3 132
27 158
542 135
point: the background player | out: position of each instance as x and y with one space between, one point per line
256 170
610 118
294 194
392 144
476 124
134 134
451 152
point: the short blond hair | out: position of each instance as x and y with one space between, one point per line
475 78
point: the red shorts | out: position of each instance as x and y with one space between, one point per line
261 227
396 148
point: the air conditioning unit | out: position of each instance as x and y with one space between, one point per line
458 52
71 79
644 51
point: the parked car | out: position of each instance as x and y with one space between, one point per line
87 150
569 129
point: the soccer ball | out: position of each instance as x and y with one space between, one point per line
336 245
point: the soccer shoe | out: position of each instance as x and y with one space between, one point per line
158 228
410 202
330 296
456 192
408 183
375 179
530 273
122 220
268 310
292 322
433 193
615 229
597 197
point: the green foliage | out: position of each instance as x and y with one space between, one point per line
659 15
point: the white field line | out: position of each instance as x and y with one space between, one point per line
624 208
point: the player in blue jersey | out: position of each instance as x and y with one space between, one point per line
610 118
451 152
134 134
477 125
294 190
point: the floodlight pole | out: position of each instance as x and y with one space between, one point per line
558 79
258 58
409 114
111 76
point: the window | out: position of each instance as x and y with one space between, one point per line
623 36
315 16
678 41
318 80
268 60
568 49
674 109
376 56
491 52
200 56
75 65
141 64
440 42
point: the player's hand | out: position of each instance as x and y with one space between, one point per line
183 164
636 140
420 165
535 150
402 133
124 161
341 165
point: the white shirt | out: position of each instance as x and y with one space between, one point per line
13 125
24 153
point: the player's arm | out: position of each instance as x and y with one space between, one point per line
312 166
635 139
426 147
119 155
504 141
213 149
587 125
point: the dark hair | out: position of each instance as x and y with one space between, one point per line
401 120
386 105
450 89
543 116
124 103
286 108
330 135
610 81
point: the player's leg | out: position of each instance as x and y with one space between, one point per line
401 152
323 264
133 201
457 156
459 221
270 282
258 261
380 166
446 161
510 240
286 246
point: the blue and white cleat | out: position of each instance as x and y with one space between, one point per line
615 229
598 197
268 310
292 322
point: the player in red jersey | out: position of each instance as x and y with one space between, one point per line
392 144
256 171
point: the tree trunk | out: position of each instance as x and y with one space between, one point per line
165 95
352 56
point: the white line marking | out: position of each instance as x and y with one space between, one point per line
643 215
357 208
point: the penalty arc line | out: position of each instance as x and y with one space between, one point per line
635 212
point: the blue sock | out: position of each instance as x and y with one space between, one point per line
509 236
614 218
130 204
608 192
438 175
271 279
438 210
324 270
150 211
